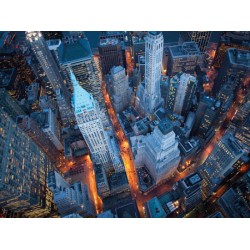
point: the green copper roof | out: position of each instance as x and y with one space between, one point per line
165 126
74 51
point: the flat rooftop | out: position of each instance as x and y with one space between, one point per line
193 179
42 118
232 143
186 49
141 60
155 208
160 115
109 41
117 180
239 57
79 50
185 144
116 69
138 40
53 42
154 33
99 174
127 211
165 126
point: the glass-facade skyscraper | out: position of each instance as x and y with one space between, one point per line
23 170
202 38
52 72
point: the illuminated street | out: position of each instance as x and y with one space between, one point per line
88 177
127 157
129 61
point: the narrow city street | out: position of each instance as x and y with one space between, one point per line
129 61
88 177
127 157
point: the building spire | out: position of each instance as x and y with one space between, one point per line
73 78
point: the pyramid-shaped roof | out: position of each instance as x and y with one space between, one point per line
82 100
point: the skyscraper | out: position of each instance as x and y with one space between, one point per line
87 114
50 126
110 51
69 198
9 105
184 57
190 188
33 129
138 49
158 151
206 117
120 91
76 54
219 163
240 125
201 38
149 92
28 125
236 64
23 171
180 93
52 72
231 39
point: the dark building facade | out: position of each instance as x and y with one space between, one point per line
111 54
231 39
235 64
23 170
205 118
201 38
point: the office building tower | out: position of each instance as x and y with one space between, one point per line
240 125
88 119
23 170
50 126
52 72
33 128
29 126
235 202
9 105
157 151
46 102
183 58
141 66
138 49
201 38
219 163
76 54
206 117
10 80
69 198
188 149
120 91
234 205
181 93
166 54
69 37
149 92
235 64
190 189
120 35
111 54
231 39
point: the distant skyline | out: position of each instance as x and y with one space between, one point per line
169 36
